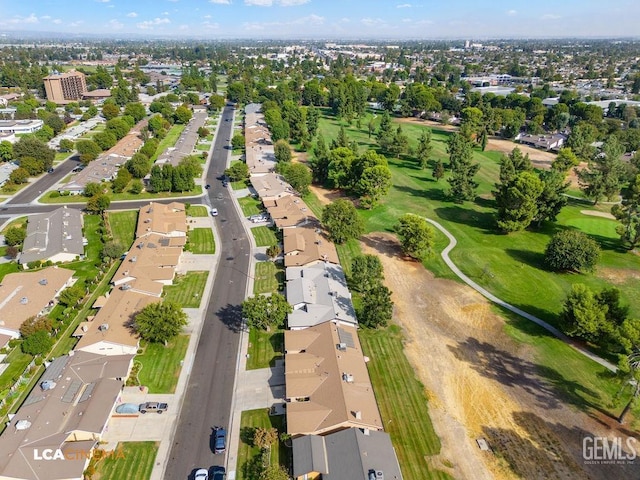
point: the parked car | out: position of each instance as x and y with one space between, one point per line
258 218
214 212
219 473
207 186
153 407
220 444
225 184
201 474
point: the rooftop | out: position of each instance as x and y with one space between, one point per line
290 211
49 234
327 382
304 245
165 219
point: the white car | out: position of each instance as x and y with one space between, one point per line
201 474
214 212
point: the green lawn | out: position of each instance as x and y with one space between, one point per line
250 205
123 226
87 268
264 348
160 365
247 454
169 141
509 266
132 460
187 289
197 211
203 147
347 252
265 237
200 240
17 361
402 402
269 278
117 197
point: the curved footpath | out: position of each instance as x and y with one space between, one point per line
485 293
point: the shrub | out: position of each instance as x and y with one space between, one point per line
572 250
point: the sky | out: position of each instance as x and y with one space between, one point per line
382 19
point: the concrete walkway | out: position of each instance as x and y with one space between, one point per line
482 291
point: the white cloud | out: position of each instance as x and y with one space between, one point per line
103 1
211 25
551 16
115 24
76 23
30 19
132 14
281 3
345 20
221 2
183 27
45 17
165 13
372 22
404 5
310 20
57 21
512 13
149 24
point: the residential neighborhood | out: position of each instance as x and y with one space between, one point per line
296 240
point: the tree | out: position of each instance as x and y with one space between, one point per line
66 145
98 203
34 324
110 110
203 132
38 343
182 115
6 151
263 312
136 110
19 175
629 371
92 189
282 151
160 322
298 176
105 140
88 150
366 272
462 185
339 169
15 235
572 250
136 187
374 183
264 438
238 141
273 251
274 472
385 133
416 236
517 205
56 123
583 315
112 249
72 295
565 160
438 170
121 181
138 165
399 144
216 102
32 165
552 199
237 172
605 174
377 307
118 127
424 148
319 161
29 146
628 214
342 220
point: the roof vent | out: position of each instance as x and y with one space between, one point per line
342 347
43 281
133 259
347 377
103 327
48 385
24 301
358 414
126 286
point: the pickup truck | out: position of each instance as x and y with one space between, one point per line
153 407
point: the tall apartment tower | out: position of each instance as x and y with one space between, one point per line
66 87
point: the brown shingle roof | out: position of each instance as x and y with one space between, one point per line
304 245
333 382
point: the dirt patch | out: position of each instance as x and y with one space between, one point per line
595 213
618 276
482 383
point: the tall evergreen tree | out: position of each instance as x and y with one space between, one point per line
628 214
605 174
424 148
462 185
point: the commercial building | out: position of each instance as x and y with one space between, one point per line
20 126
55 236
66 87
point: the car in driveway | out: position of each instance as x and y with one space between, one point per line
214 212
201 474
259 218
220 441
153 407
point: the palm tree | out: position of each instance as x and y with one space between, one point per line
631 368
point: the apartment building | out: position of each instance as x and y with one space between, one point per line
66 87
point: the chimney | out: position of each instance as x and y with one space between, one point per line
358 414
